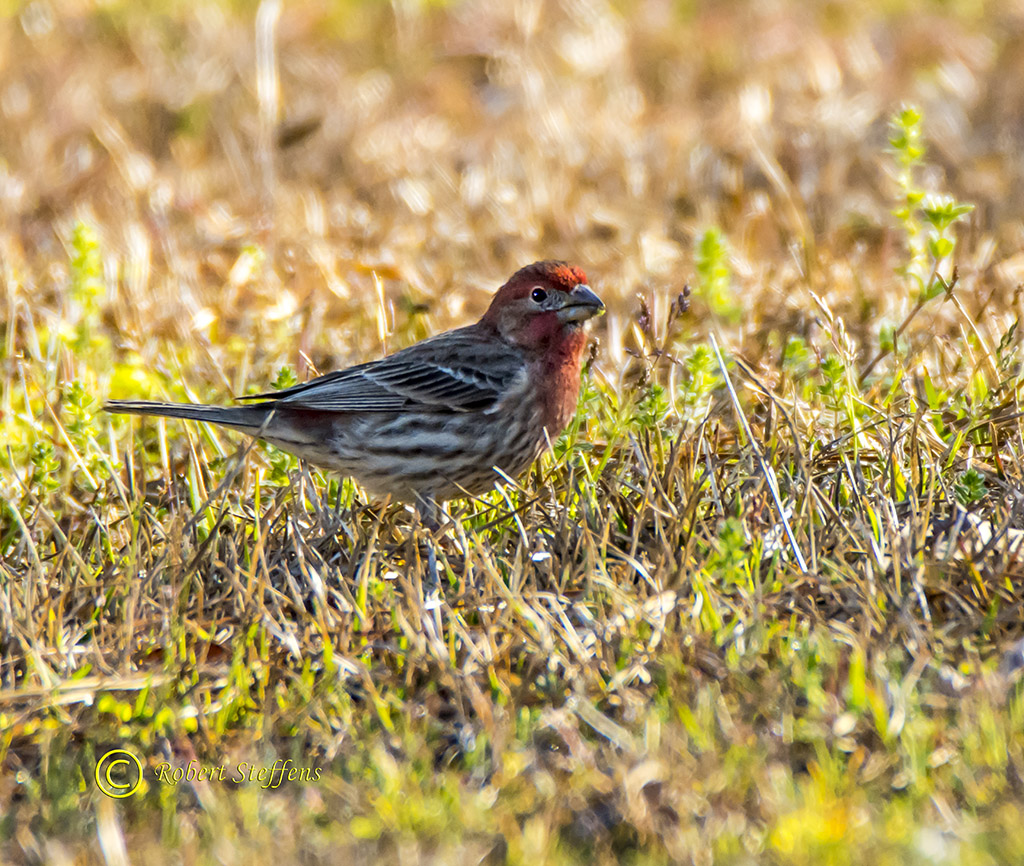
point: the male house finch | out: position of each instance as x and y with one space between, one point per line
433 421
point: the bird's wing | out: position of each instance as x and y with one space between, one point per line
454 372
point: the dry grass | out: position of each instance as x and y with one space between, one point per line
760 606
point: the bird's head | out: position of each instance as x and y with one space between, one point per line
543 305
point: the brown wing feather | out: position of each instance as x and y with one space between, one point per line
420 377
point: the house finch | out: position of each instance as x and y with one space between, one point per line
433 421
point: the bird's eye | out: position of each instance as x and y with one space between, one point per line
538 295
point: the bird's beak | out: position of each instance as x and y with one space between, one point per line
582 305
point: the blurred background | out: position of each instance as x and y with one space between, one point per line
250 168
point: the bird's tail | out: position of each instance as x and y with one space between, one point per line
248 419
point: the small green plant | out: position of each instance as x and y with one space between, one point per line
833 381
703 377
143 719
44 467
285 378
728 564
652 408
908 150
79 408
714 275
887 337
79 418
796 357
86 266
926 216
970 487
87 286
282 466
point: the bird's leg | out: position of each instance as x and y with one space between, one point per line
430 515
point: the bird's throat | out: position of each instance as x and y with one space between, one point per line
558 377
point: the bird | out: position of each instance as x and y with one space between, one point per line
444 418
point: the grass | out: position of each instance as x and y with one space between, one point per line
762 603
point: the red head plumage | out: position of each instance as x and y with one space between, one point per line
540 311
541 304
